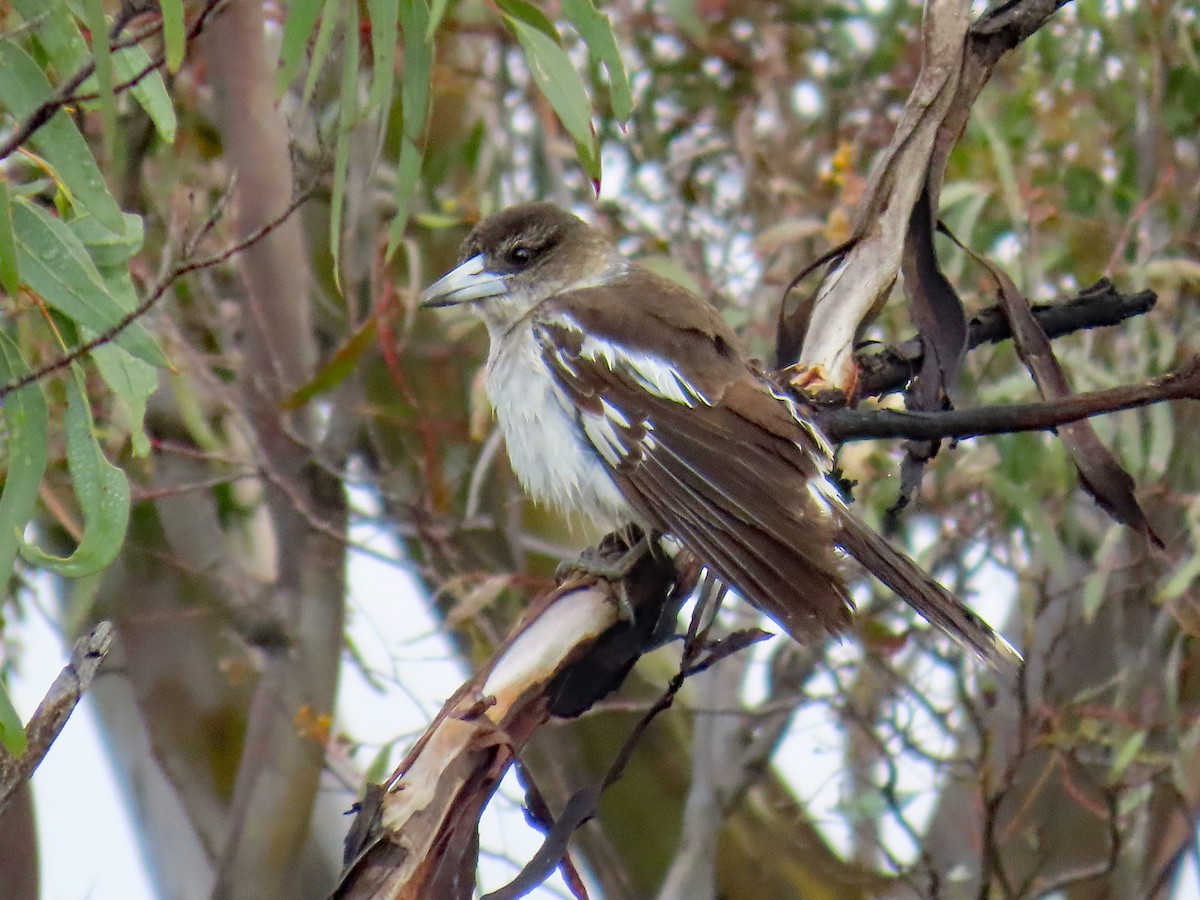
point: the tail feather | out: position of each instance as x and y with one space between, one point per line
932 601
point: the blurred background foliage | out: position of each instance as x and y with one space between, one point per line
729 143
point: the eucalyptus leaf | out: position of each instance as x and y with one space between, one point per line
150 91
558 79
23 88
10 266
596 30
384 16
408 173
174 35
56 266
26 420
297 30
102 490
12 732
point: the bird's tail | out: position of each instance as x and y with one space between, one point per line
936 604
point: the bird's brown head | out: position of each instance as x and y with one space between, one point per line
515 259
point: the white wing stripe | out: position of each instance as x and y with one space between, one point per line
653 373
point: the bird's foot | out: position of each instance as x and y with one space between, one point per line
613 567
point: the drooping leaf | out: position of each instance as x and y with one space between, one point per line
12 732
25 418
347 119
418 66
108 248
174 35
55 266
414 98
150 92
384 15
530 14
102 490
408 172
560 82
436 11
335 370
10 267
97 24
321 47
23 88
57 33
131 379
297 29
596 30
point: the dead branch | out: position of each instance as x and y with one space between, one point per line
52 713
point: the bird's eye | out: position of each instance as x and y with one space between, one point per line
520 255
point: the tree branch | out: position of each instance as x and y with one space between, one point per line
54 710
156 293
884 372
842 425
67 90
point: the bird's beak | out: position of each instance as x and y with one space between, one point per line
468 281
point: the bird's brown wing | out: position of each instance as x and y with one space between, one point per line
708 450
714 460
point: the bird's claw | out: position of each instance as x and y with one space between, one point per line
598 564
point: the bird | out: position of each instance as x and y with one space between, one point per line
625 397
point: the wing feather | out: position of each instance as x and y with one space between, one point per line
715 455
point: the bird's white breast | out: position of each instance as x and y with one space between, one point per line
547 448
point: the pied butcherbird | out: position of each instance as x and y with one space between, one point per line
625 397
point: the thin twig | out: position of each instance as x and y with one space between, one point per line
184 268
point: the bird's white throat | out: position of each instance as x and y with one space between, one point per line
548 451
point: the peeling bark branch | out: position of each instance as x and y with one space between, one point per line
52 713
415 836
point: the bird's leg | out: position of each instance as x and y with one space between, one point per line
599 562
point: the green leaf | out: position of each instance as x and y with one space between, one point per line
174 35
25 418
97 24
408 173
436 12
530 14
418 66
23 88
10 269
297 29
384 16
341 153
58 35
12 733
133 381
1126 755
334 372
150 92
101 487
60 38
55 266
557 78
321 47
596 30
108 248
